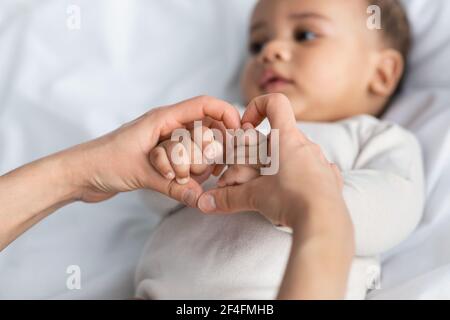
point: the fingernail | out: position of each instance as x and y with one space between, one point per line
189 198
183 180
170 175
207 203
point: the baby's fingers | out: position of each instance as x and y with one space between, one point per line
205 149
179 159
160 161
198 163
203 138
238 174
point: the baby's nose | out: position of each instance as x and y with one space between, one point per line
275 51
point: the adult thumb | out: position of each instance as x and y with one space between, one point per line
187 193
228 199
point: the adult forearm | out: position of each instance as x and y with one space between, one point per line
320 261
99 169
317 269
30 193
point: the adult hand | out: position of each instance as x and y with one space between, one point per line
99 169
119 161
306 195
305 178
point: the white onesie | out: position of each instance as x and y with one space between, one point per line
243 256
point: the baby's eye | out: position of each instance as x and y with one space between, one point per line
256 47
303 35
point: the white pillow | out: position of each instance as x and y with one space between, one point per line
430 59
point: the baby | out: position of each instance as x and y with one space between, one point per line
339 75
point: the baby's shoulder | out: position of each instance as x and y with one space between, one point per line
368 128
355 130
366 124
361 137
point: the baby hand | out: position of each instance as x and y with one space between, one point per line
237 174
178 160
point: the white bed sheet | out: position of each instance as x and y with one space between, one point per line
60 87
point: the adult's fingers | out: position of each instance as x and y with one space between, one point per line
229 199
188 193
180 114
203 176
276 107
238 174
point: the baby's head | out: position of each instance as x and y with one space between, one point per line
325 58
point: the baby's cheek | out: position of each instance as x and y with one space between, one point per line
249 87
326 83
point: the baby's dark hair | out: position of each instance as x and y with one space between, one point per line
396 29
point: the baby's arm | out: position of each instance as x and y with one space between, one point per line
384 191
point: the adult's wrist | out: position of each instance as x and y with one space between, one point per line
64 175
69 171
324 217
320 258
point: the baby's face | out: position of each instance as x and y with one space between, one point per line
317 52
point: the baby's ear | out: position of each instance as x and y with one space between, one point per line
389 70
